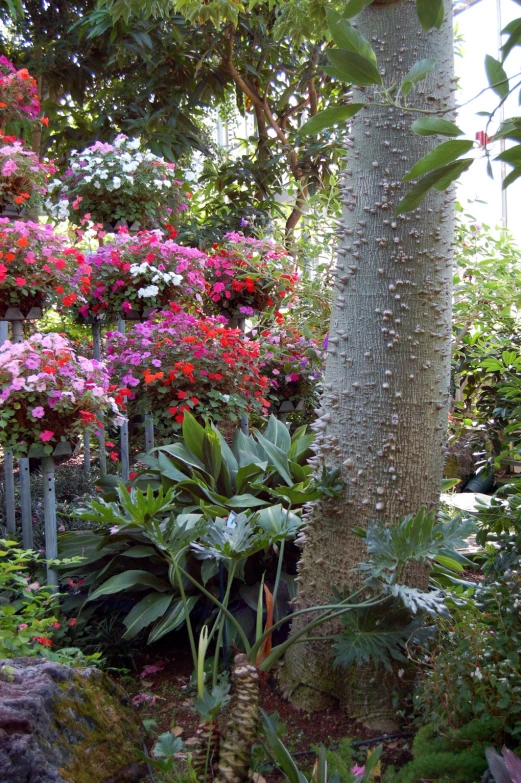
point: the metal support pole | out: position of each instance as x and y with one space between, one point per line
96 340
23 468
10 518
125 457
149 432
49 512
25 502
241 324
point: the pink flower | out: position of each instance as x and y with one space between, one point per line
38 412
33 586
46 435
358 771
22 626
20 281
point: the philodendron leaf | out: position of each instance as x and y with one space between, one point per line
430 13
441 156
418 73
330 117
354 68
496 75
435 126
347 37
151 607
126 581
440 179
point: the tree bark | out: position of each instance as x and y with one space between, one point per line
388 365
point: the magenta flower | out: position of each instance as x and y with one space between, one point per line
46 435
38 412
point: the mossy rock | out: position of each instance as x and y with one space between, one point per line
59 724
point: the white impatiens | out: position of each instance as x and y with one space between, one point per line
145 293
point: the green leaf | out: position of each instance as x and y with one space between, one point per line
193 434
439 179
435 126
496 76
277 433
347 37
430 13
354 68
140 550
512 155
366 639
447 152
513 30
167 745
172 619
333 72
447 484
212 456
329 117
245 501
151 607
128 580
281 753
354 7
511 177
276 457
418 73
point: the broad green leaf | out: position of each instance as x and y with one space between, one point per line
435 126
430 13
174 617
127 580
277 433
140 550
333 72
167 746
439 179
513 30
354 7
450 563
511 177
212 456
276 457
447 484
245 501
496 76
183 454
447 152
151 607
418 73
329 117
511 155
354 68
193 434
347 37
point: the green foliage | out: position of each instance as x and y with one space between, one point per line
29 613
448 757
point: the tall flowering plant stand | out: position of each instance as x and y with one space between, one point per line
44 385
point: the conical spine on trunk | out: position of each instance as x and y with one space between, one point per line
234 760
205 754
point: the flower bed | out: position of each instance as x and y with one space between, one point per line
23 177
134 274
35 264
184 363
112 182
247 275
48 394
18 93
293 363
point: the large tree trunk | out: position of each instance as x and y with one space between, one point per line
388 365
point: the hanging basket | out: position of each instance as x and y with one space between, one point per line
136 315
89 319
112 226
62 449
31 311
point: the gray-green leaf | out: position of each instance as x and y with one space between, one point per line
439 157
329 117
439 179
354 7
430 13
435 126
354 68
347 37
496 75
418 73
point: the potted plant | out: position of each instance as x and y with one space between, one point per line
18 93
183 363
49 395
132 276
23 177
294 365
246 275
35 264
116 184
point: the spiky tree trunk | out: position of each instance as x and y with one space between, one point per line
388 365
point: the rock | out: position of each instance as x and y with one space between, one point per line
64 725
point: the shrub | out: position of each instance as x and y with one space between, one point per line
23 176
18 93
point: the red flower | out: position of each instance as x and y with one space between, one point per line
45 121
73 620
43 640
114 456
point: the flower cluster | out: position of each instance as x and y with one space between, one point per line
34 263
49 394
135 274
293 363
18 93
22 176
247 275
111 182
182 363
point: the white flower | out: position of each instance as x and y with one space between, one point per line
103 174
129 179
477 674
134 144
158 183
88 178
151 290
116 181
